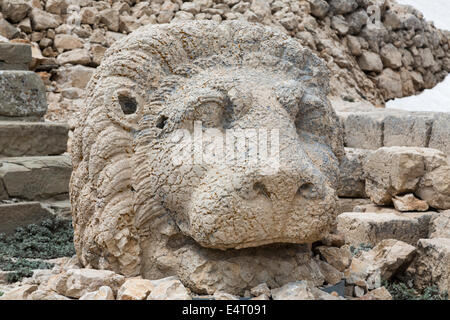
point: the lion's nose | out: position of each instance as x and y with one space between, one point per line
279 187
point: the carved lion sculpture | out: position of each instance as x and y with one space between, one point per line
216 226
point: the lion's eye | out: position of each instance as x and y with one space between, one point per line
127 101
209 111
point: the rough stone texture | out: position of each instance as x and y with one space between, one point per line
46 295
15 10
67 42
75 283
408 129
14 215
409 202
348 204
363 130
42 20
378 294
135 289
331 274
22 94
7 30
293 291
385 260
261 289
339 258
120 181
440 133
74 76
370 61
219 295
392 171
390 84
352 181
168 289
319 8
440 225
103 293
432 266
32 138
371 227
14 56
35 178
20 293
391 56
59 208
300 290
76 56
162 289
373 128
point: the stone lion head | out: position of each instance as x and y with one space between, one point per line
144 198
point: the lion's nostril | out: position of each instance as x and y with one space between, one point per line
308 191
261 189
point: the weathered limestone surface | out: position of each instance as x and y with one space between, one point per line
363 130
392 171
375 128
75 283
35 178
22 94
371 228
440 134
138 211
103 293
13 215
408 129
409 202
300 290
32 138
382 262
440 225
14 56
352 179
432 266
348 204
20 293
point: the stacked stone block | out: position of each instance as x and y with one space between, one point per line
34 171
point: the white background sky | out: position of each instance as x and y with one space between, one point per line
438 98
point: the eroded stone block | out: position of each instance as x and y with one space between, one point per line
22 94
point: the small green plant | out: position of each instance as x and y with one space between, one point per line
400 291
403 291
52 238
1 293
361 247
21 267
432 293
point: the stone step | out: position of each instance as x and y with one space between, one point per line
15 56
32 138
21 214
60 209
35 178
22 95
387 127
380 223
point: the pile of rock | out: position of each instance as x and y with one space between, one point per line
376 49
408 211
